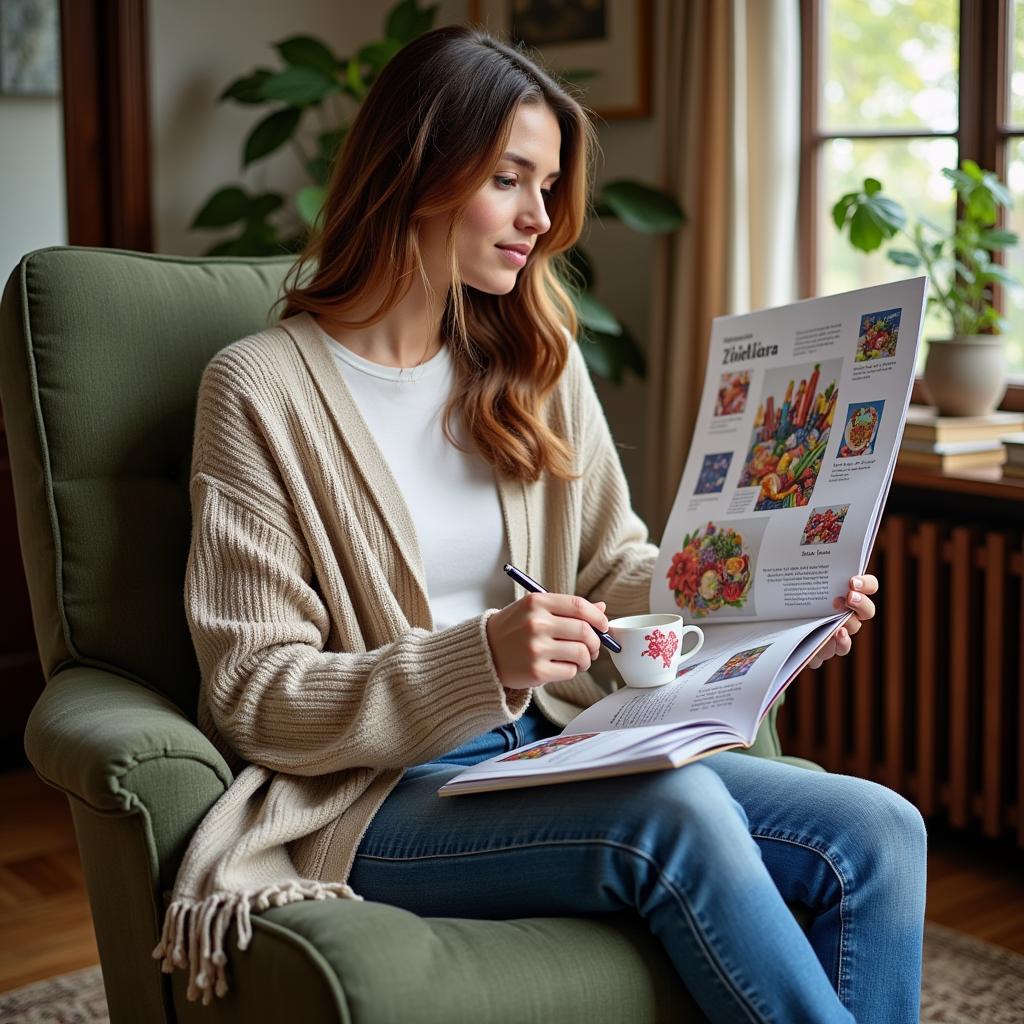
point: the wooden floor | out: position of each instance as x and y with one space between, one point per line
45 927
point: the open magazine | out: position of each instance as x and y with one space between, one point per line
779 505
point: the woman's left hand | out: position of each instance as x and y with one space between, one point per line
863 609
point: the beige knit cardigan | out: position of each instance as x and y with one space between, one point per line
322 675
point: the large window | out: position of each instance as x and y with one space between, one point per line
896 90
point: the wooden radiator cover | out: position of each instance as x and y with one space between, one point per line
930 701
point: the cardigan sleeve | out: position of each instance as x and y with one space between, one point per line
278 699
616 558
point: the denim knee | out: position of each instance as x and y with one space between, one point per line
684 808
895 843
897 819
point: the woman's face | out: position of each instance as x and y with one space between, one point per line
509 211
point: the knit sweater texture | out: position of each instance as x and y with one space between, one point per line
322 677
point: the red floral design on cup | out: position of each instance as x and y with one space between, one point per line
661 646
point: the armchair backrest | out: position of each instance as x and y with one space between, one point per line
101 352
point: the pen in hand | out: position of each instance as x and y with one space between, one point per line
534 587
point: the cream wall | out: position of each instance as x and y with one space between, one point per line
197 48
33 208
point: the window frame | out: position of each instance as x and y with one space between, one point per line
982 131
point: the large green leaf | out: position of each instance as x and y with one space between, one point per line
309 202
319 170
376 55
262 206
611 356
997 238
600 359
997 272
354 80
596 317
904 258
578 75
407 21
330 142
641 207
231 205
270 134
307 52
300 87
871 216
228 206
258 239
248 89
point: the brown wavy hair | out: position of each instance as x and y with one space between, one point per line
428 135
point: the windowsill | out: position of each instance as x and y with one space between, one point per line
980 483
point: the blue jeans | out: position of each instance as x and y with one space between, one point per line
708 854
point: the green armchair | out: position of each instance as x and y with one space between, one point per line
101 352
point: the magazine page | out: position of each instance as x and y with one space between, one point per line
793 451
561 758
738 670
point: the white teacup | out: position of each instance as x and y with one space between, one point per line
652 647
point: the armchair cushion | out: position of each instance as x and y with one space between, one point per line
99 375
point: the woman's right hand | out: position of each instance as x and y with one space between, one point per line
545 638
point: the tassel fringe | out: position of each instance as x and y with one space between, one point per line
194 930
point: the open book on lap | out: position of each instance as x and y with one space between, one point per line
779 504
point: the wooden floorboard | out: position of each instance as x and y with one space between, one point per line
974 885
45 923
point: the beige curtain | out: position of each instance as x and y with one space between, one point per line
728 113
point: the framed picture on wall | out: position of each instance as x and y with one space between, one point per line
611 38
29 48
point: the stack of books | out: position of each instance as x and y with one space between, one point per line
949 443
1014 465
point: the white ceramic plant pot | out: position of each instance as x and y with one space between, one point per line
966 376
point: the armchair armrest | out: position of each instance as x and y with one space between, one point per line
122 749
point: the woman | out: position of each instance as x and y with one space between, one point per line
361 471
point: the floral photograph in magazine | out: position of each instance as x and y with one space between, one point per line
713 571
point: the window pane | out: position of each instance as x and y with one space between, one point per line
890 64
1017 67
1013 300
910 171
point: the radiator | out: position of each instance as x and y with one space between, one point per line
930 701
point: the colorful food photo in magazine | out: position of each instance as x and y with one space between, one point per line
790 435
879 333
732 393
738 665
713 571
861 430
547 747
824 524
713 472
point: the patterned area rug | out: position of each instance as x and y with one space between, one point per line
966 981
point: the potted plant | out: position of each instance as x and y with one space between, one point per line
317 84
965 374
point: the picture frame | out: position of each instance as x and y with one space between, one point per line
609 37
29 48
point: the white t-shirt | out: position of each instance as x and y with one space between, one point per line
452 496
